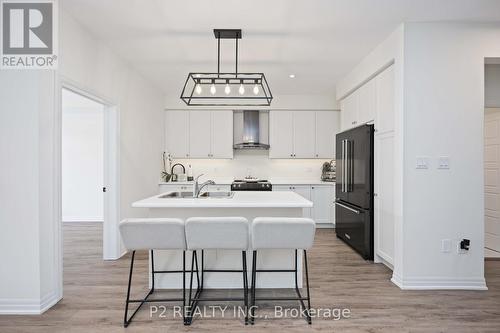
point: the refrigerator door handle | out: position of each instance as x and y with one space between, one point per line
347 207
344 165
348 165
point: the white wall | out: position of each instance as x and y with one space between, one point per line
92 66
444 111
30 191
82 158
492 86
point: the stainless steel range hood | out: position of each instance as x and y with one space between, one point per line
251 134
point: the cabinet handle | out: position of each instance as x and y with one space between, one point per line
312 187
291 155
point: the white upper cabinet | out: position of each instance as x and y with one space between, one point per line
327 126
385 101
303 134
304 138
367 102
177 133
222 134
199 134
281 134
349 111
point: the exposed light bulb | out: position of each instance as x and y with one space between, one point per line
198 89
256 89
242 89
212 89
227 90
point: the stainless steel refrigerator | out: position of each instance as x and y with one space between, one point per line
354 189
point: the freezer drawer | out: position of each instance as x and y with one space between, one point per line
355 227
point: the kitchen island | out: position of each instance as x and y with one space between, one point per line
248 204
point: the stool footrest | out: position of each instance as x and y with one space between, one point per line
280 299
145 300
218 299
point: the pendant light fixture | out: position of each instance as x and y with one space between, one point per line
215 88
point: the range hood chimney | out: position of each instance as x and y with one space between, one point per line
250 139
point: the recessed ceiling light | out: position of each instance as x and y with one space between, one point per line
291 76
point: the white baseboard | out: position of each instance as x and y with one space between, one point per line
83 219
28 306
325 226
422 283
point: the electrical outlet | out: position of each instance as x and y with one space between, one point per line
446 245
463 246
443 162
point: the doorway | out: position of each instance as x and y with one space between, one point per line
492 159
90 167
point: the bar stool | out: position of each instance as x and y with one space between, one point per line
227 233
282 233
153 234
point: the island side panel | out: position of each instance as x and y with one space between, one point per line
228 259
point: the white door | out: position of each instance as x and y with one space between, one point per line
367 102
177 133
321 198
385 101
304 124
199 134
327 126
348 111
384 196
222 134
281 134
492 179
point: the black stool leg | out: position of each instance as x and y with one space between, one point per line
184 286
152 272
254 282
307 285
188 318
245 284
125 321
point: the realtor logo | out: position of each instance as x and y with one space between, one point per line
28 34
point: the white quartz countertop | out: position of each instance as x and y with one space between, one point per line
247 199
274 181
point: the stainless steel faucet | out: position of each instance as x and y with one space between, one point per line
197 187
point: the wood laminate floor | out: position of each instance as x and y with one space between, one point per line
94 293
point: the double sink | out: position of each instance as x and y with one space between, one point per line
189 195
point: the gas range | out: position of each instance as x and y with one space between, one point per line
247 185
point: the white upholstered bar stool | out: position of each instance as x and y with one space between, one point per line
153 234
225 233
282 233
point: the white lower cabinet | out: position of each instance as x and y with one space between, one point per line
322 196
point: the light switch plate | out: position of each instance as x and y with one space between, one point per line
446 245
443 162
422 162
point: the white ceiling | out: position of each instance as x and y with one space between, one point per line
317 40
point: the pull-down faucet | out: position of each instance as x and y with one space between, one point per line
197 187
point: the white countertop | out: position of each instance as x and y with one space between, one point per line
274 181
248 199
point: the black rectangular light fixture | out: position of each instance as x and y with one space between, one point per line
227 88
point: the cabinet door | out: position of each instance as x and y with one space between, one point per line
222 134
348 111
327 126
305 191
199 134
384 196
281 134
385 101
367 102
177 133
304 124
321 198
